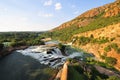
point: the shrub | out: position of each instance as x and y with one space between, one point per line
114 46
107 49
118 50
113 78
110 60
84 40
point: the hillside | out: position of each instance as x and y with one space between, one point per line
96 31
100 40
108 10
90 20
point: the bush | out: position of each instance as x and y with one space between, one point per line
113 78
100 40
118 50
103 40
110 60
107 49
84 40
114 46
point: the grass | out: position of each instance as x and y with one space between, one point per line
105 65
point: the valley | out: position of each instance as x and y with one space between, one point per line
84 48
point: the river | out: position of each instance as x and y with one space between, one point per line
30 64
19 67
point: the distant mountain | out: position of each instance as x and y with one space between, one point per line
96 31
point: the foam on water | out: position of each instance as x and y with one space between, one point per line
54 59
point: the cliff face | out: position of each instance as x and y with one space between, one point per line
99 29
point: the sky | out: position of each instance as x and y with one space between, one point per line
42 15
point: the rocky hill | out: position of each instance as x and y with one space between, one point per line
96 31
84 19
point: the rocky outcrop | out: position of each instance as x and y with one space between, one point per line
112 9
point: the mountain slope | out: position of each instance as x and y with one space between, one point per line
96 31
90 20
84 19
101 39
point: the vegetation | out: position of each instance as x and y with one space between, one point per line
113 78
86 71
74 74
99 22
107 49
112 46
85 40
82 71
110 60
13 40
21 38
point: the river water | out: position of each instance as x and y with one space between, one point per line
29 64
53 59
19 67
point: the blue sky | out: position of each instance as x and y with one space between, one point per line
41 15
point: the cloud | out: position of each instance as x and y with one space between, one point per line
48 3
58 6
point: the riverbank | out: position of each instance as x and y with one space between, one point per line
7 51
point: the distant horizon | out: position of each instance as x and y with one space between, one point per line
41 15
22 31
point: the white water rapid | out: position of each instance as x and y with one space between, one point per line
53 58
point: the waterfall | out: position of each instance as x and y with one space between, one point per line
57 51
75 54
53 52
53 60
